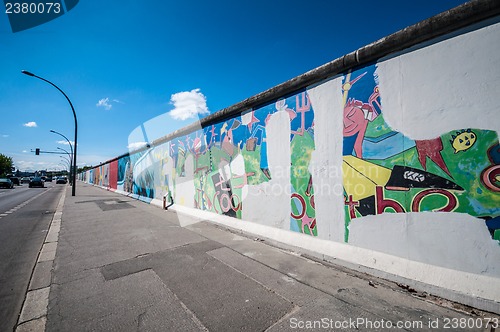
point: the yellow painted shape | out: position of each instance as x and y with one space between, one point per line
361 177
464 141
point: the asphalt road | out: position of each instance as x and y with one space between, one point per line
25 215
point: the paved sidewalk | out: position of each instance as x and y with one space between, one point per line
124 265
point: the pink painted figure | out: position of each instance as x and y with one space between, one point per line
356 117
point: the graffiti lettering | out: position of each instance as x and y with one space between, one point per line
491 178
449 207
306 221
351 204
302 204
225 196
383 203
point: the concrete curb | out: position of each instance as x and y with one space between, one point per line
34 312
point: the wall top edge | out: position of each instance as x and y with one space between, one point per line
449 21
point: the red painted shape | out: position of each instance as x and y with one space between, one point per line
488 177
452 200
302 203
351 204
431 148
383 203
113 174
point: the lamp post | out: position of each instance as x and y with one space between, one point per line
69 155
66 160
71 149
65 151
69 143
63 166
72 171
65 163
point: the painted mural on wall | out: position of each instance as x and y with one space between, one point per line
386 172
226 157
383 171
141 185
219 161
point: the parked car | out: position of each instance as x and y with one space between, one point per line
6 183
25 179
15 180
61 180
49 179
37 182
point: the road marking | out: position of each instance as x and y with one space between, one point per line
19 206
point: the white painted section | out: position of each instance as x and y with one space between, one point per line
451 240
184 186
269 202
450 85
235 169
326 159
168 169
163 166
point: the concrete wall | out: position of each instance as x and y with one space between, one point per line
392 166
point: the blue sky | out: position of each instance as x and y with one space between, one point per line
125 62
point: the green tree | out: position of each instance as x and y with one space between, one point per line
5 165
84 169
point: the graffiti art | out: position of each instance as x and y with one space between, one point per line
386 172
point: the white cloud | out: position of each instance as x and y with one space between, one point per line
27 161
31 124
118 101
136 145
66 142
5 136
26 165
104 103
188 104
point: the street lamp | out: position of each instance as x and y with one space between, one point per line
66 151
64 167
73 171
69 143
65 159
70 147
